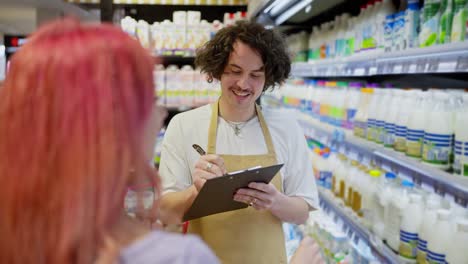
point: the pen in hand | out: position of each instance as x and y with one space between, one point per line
199 149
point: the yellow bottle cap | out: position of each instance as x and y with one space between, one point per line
375 173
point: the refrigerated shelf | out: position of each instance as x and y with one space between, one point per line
447 58
356 230
357 148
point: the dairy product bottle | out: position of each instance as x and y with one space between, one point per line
372 115
357 29
412 22
461 139
361 117
416 125
440 238
159 77
457 252
385 8
427 225
352 104
370 205
350 36
429 28
401 124
383 109
383 195
388 32
439 132
341 177
394 214
460 18
350 183
445 25
410 228
391 116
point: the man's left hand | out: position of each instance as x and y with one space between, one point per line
260 196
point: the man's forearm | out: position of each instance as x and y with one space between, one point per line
291 209
173 205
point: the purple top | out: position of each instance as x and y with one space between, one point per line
164 247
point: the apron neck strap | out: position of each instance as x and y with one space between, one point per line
214 126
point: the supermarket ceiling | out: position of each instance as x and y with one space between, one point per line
23 16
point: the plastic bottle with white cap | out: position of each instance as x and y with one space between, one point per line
440 238
394 214
410 228
429 219
457 252
439 131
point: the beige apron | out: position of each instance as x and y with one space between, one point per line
246 235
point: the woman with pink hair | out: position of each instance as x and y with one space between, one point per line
77 115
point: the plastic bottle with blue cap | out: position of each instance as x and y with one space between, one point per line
410 227
383 195
395 212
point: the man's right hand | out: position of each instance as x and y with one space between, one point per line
207 167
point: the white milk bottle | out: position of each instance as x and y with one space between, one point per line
410 228
384 9
416 125
457 252
391 119
401 123
429 219
373 179
372 115
360 119
439 131
382 108
383 195
440 238
460 165
394 213
352 104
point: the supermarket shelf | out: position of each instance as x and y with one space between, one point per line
447 58
369 152
166 2
380 250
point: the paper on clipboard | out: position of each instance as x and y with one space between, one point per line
216 195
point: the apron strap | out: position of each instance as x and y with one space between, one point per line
214 126
211 148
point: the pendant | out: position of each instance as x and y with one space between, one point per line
237 130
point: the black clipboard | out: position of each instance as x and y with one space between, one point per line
216 195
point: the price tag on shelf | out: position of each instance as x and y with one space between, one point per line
397 69
421 65
405 67
462 64
448 66
433 65
359 72
439 189
373 70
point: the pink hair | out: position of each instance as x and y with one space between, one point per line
73 109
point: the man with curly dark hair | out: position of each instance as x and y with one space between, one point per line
246 59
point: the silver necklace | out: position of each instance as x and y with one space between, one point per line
236 126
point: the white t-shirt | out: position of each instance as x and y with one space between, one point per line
178 158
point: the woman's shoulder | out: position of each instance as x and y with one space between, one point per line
165 247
